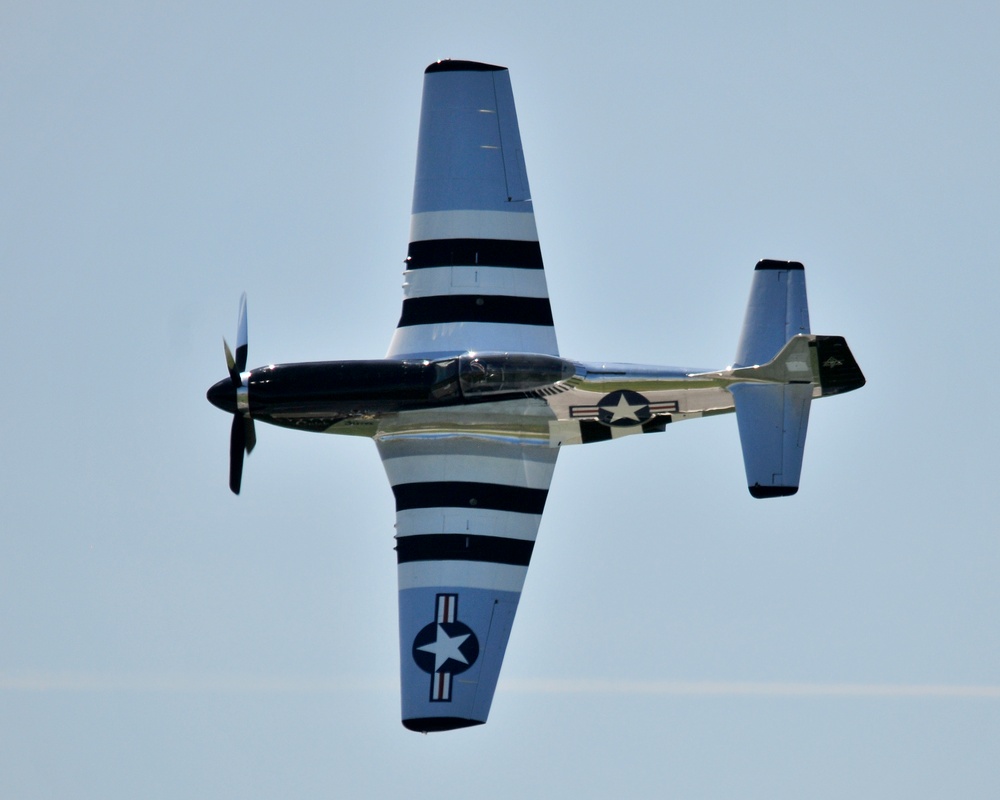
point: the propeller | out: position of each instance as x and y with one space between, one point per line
242 436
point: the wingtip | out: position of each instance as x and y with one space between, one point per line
761 492
437 724
769 263
457 65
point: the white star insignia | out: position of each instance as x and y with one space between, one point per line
445 647
623 410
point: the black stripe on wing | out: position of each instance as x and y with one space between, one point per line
467 494
476 308
463 547
474 253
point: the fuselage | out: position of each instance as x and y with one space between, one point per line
542 398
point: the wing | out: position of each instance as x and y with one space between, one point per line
474 277
467 512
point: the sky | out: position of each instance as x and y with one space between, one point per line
162 638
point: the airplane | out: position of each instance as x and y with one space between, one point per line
473 402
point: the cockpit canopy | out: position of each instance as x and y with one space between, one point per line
502 373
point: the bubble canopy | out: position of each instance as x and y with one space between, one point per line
501 373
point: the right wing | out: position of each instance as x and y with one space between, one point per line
467 512
474 279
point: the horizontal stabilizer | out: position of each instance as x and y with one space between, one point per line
773 416
777 311
772 419
772 407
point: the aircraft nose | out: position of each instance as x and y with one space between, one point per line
223 395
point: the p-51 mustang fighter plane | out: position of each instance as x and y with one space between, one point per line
472 403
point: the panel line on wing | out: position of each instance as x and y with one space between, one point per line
435 281
503 156
471 521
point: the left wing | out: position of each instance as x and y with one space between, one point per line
467 512
474 277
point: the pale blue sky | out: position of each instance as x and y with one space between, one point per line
676 638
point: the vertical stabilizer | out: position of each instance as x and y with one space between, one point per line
777 311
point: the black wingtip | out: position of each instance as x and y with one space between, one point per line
768 263
456 65
760 492
436 724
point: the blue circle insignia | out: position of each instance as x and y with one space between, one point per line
449 647
623 408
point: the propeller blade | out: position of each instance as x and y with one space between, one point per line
241 336
243 435
234 374
249 434
237 444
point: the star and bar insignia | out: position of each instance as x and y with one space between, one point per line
445 647
623 407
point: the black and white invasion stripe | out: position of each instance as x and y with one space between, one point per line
482 292
467 510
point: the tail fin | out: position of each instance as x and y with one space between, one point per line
784 368
777 311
